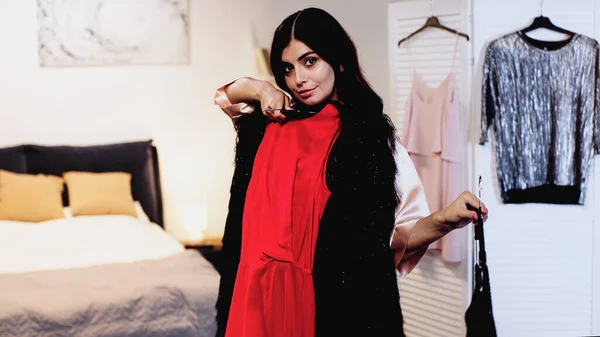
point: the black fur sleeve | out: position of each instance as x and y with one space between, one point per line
250 131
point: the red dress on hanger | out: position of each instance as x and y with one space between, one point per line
274 294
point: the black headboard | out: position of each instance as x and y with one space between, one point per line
140 159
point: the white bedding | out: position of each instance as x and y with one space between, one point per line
81 241
169 297
111 276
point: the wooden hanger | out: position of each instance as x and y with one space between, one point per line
433 22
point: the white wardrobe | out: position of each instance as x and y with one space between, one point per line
544 259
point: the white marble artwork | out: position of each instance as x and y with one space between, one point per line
112 32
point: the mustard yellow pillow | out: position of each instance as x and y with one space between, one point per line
28 197
99 193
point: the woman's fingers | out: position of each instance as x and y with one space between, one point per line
473 203
470 215
287 104
470 200
273 108
275 114
268 112
278 115
281 104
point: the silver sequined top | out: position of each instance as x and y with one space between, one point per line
543 105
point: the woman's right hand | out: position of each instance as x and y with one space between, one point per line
272 101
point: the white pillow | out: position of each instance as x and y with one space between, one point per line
141 215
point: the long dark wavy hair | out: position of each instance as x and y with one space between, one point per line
362 114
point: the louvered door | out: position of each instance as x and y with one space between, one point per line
434 295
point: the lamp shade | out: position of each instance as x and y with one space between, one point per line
262 56
195 222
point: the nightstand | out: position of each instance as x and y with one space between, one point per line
211 250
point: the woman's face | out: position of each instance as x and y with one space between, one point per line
307 75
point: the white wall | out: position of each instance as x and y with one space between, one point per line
171 104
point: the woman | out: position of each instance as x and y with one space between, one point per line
326 207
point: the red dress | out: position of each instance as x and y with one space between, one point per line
274 294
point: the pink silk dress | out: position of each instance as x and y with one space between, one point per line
433 136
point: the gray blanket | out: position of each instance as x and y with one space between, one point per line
174 296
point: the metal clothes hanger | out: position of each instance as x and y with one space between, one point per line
433 22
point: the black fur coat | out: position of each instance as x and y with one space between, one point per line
354 276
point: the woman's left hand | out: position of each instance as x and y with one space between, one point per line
460 212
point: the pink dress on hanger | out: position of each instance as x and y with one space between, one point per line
435 140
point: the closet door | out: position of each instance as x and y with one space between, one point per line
434 296
541 256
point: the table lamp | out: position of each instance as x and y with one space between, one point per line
195 222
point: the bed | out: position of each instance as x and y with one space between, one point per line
101 275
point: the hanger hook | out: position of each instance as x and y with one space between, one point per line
431 6
541 7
